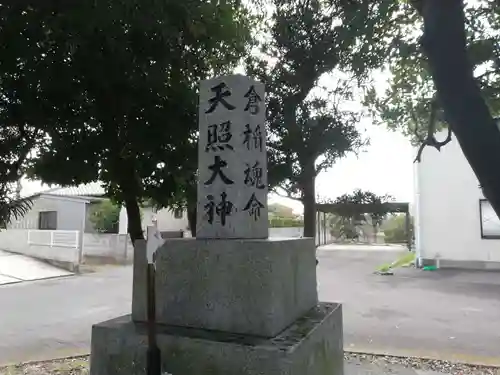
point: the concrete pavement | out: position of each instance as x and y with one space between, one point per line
451 315
444 314
15 268
52 318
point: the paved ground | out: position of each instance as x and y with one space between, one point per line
15 268
449 314
446 314
52 318
361 247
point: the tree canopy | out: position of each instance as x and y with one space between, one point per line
347 220
458 49
410 104
112 88
311 128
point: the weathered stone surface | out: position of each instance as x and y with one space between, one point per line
313 345
254 287
232 159
139 281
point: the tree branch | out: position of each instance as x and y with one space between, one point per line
431 140
288 194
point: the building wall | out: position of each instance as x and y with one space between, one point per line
166 220
447 198
69 213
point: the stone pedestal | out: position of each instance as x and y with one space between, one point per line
310 346
231 301
227 307
255 287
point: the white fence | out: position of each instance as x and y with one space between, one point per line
60 246
67 246
54 238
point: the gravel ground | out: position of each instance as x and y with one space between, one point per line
79 366
70 366
421 364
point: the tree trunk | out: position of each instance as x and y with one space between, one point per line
309 201
130 187
375 232
191 214
134 219
444 44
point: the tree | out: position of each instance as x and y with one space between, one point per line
349 216
395 229
410 104
458 50
16 142
11 207
105 216
115 88
308 133
458 93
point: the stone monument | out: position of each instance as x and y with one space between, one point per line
232 160
231 301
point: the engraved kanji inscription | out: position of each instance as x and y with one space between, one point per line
253 101
254 175
221 92
223 209
252 139
216 169
253 207
219 136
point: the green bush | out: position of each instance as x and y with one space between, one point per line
105 216
284 222
395 231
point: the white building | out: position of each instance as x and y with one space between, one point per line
454 225
68 208
168 220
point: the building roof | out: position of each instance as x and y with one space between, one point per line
93 189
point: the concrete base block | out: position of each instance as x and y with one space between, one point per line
254 287
313 345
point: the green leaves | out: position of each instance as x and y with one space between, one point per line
112 87
309 127
404 106
11 208
105 216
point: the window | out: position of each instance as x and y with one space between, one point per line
47 220
489 222
178 213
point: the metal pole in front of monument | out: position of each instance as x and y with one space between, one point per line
153 361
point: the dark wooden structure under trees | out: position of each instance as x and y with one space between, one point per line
351 209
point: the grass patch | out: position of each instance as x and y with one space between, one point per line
402 261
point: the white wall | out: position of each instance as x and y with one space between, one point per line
447 208
117 246
64 246
166 220
16 241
